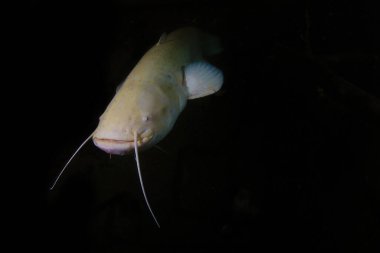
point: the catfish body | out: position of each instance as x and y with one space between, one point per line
149 101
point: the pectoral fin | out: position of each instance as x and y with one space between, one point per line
202 79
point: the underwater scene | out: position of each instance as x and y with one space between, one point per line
256 126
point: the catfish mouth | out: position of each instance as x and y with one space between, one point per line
118 147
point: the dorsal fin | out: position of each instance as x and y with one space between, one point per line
162 38
118 87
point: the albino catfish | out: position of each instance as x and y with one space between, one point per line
149 101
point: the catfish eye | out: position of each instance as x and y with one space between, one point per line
146 118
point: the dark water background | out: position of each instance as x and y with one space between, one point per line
284 157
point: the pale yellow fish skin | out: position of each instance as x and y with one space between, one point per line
153 95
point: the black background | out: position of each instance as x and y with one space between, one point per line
284 157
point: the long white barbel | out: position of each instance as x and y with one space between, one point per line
141 181
68 162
